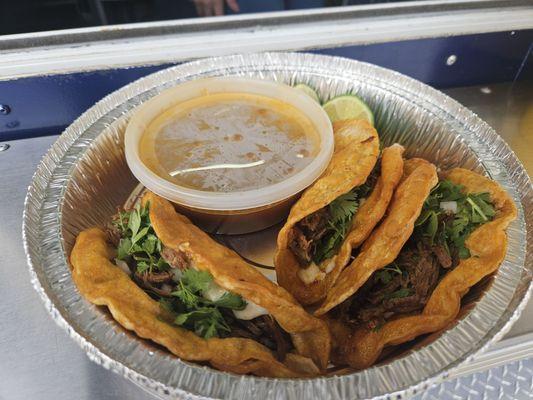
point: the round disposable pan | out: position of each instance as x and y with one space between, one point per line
84 177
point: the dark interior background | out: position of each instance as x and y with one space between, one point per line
24 16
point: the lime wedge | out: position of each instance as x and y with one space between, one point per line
308 91
348 106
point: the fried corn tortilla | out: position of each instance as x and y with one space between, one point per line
356 152
386 241
103 283
487 247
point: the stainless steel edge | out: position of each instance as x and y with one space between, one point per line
330 14
501 353
181 40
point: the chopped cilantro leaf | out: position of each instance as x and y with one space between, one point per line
342 210
206 322
344 207
142 266
473 210
189 298
150 244
196 281
385 275
123 248
138 241
432 226
393 267
195 312
232 301
403 292
134 221
139 246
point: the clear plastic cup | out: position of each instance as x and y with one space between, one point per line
241 211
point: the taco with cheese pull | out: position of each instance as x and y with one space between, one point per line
438 240
168 281
338 212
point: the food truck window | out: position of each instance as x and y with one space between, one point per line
26 16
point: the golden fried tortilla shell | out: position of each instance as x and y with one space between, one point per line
356 152
487 245
366 218
386 241
374 207
103 283
309 335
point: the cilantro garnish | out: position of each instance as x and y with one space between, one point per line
138 242
473 210
193 284
342 210
207 322
196 313
385 274
196 281
139 246
393 267
231 300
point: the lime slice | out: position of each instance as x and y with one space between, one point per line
308 91
348 106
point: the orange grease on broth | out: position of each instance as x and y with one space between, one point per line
229 142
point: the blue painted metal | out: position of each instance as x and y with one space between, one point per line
46 105
487 58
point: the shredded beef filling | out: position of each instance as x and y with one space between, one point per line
175 259
406 288
307 233
157 283
266 331
161 282
148 281
443 258
155 277
112 234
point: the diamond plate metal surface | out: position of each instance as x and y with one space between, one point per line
513 381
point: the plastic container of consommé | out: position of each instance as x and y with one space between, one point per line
231 153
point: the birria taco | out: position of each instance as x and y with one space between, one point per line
439 238
338 212
168 281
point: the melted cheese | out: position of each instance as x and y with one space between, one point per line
316 273
214 292
310 274
123 266
328 265
251 311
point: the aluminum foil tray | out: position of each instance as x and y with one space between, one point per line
84 177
